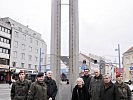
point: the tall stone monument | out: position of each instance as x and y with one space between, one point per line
56 42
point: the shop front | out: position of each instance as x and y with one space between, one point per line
4 74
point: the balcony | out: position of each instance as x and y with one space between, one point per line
5 35
3 55
5 45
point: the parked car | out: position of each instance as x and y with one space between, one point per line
130 84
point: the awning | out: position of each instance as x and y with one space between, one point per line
4 66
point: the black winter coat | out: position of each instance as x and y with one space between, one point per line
109 93
80 93
51 87
87 80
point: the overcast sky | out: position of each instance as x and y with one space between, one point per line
103 24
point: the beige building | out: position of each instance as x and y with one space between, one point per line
128 64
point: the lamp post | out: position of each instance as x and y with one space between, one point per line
40 61
118 49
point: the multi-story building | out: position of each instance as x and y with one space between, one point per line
5 45
127 61
94 61
27 50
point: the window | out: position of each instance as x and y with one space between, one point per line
8 31
23 46
4 50
36 50
7 51
127 60
36 59
16 34
4 40
30 40
35 67
3 29
24 36
0 28
23 56
16 44
22 65
15 54
29 66
36 42
30 57
7 41
1 39
14 64
30 48
0 50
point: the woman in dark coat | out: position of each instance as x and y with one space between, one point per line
80 91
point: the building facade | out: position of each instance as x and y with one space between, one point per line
127 61
5 45
27 48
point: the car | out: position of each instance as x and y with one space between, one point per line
130 85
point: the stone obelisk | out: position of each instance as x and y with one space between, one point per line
56 42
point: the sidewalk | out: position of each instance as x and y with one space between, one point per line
4 86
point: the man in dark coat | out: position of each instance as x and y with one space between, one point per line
95 84
109 91
86 78
51 86
38 89
19 89
80 92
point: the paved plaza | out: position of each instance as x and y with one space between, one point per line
5 92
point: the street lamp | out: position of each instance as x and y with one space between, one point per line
118 49
39 69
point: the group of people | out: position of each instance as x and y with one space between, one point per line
97 87
44 88
100 87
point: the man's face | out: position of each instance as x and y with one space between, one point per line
86 72
40 79
49 75
106 79
22 76
120 79
96 73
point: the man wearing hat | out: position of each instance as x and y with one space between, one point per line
38 89
124 90
19 89
87 77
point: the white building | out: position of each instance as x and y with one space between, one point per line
28 49
5 45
